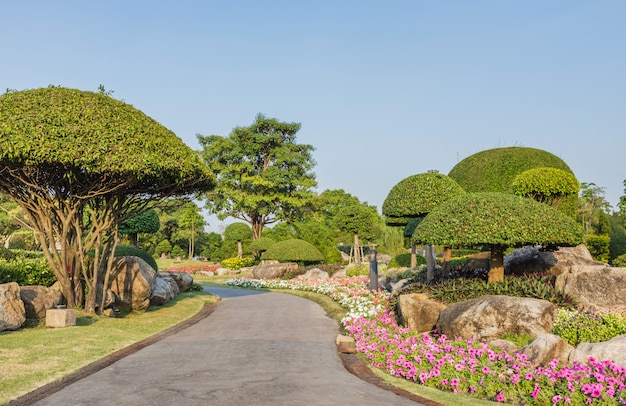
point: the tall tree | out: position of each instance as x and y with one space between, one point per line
146 222
593 208
192 222
79 163
263 175
359 220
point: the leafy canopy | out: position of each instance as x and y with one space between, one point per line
237 232
417 195
497 218
263 175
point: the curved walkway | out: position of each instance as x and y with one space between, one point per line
256 348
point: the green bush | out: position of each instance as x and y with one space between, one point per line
333 256
26 271
576 326
293 250
617 246
178 252
23 240
127 250
598 246
6 253
261 244
357 270
164 247
237 263
620 261
403 260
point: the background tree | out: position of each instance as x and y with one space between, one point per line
414 197
499 220
263 175
191 223
238 232
593 209
260 245
12 218
79 163
359 220
146 222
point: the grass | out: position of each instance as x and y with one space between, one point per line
34 356
167 263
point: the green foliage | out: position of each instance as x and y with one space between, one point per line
404 260
262 244
294 250
333 256
548 185
126 250
357 270
358 219
237 263
6 253
598 246
620 261
23 240
417 195
497 218
494 170
163 247
410 227
262 173
177 252
26 271
146 222
237 232
576 326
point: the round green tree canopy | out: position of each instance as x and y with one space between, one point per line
87 133
546 182
493 170
262 244
497 218
417 195
237 232
293 250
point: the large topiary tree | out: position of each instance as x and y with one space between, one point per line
79 163
238 232
293 250
551 186
499 220
413 198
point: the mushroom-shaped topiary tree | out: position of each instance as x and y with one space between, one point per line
79 163
414 197
499 220
238 232
146 222
293 250
552 186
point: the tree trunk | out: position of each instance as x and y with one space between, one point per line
445 262
413 256
430 263
496 267
134 241
257 230
357 250
239 250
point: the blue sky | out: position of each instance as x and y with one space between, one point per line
383 90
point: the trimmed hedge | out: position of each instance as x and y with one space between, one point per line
293 250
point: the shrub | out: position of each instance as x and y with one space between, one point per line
598 246
333 256
164 247
357 270
262 244
403 260
26 271
552 186
576 326
23 240
237 263
238 232
177 252
293 250
620 261
6 253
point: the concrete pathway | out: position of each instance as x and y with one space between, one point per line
256 348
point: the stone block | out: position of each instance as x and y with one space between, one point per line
60 318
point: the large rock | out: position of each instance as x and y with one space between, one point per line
132 282
419 312
163 291
38 299
273 271
314 273
595 287
494 316
608 350
12 313
545 348
184 280
566 259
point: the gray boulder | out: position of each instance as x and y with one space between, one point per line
163 291
419 312
563 260
608 350
12 313
595 287
184 280
494 316
545 348
132 282
38 299
314 273
273 271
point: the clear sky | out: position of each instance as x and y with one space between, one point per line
383 89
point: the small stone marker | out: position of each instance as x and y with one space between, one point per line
60 318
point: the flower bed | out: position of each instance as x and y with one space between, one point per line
192 269
460 366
